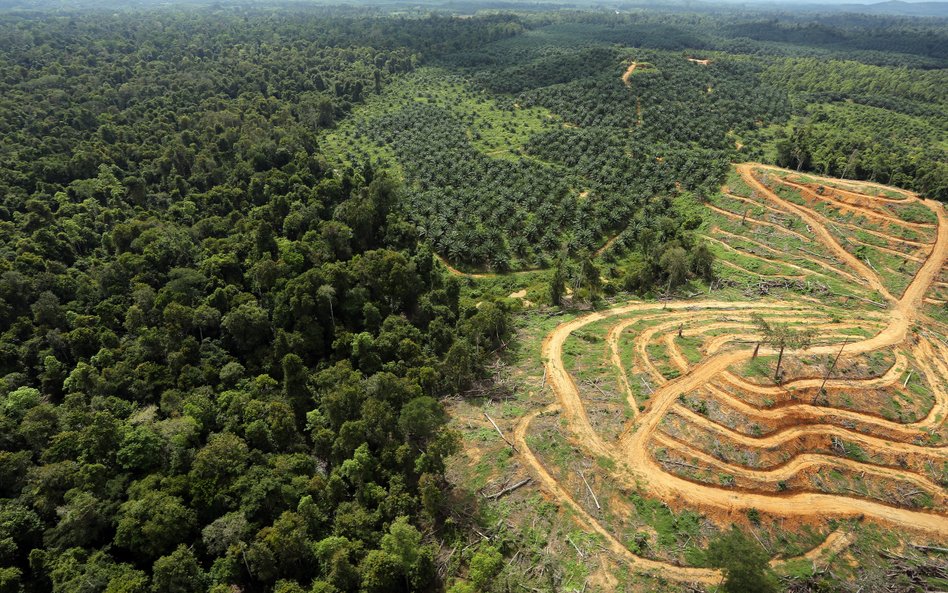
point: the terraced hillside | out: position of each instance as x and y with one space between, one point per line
678 400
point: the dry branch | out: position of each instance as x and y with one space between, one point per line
930 548
905 383
599 389
497 428
647 386
876 303
578 551
759 541
817 255
591 493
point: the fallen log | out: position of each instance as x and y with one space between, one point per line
509 489
876 303
680 463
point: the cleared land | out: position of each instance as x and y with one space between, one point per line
706 428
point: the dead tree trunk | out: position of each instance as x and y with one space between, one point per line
779 360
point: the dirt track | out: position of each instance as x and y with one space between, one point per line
856 208
456 272
804 271
632 453
628 73
817 223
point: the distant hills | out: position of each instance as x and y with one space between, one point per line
898 7
886 8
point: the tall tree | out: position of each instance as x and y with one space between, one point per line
557 283
781 336
674 262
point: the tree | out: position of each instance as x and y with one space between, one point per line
215 468
485 565
82 521
744 562
46 309
76 570
781 336
589 275
402 541
178 572
674 262
247 325
702 261
206 319
558 284
421 418
459 367
224 532
153 524
462 587
11 580
381 573
326 294
282 550
140 449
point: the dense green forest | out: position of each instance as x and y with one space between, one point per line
221 360
224 333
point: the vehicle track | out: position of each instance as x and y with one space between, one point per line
774 262
889 250
834 543
817 222
798 414
734 266
890 377
757 221
747 200
855 208
636 467
837 184
780 438
628 73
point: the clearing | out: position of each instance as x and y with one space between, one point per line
675 401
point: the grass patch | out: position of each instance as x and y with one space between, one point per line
690 347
